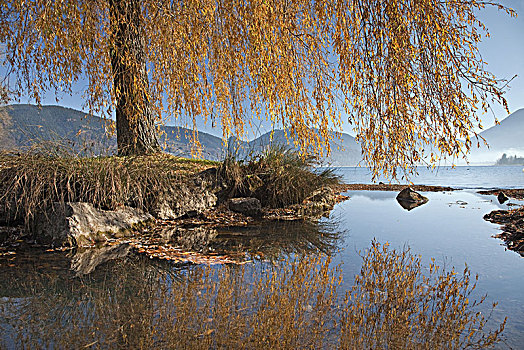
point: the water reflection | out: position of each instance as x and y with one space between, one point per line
449 228
182 246
55 309
136 303
85 260
268 240
273 240
56 292
58 299
409 205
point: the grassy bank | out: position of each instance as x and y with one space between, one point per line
31 181
278 177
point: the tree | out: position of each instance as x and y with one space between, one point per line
407 74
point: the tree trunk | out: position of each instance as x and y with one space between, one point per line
135 127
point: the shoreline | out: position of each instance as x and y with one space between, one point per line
220 217
515 193
395 187
511 221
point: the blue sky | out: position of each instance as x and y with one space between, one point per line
504 52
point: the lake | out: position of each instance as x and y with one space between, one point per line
463 177
449 228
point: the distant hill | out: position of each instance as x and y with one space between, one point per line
345 151
177 140
508 134
23 124
507 137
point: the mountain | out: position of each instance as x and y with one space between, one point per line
177 140
24 124
21 125
508 134
345 151
506 137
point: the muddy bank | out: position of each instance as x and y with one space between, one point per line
512 222
393 187
517 193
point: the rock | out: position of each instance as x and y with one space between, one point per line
322 195
318 204
78 224
408 195
409 199
183 200
502 197
247 206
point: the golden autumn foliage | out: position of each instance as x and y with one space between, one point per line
406 74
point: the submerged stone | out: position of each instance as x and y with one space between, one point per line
502 197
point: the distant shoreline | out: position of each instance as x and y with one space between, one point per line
395 187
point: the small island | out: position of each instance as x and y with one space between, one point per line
509 160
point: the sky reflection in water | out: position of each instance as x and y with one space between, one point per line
449 228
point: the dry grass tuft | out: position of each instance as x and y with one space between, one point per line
32 180
278 177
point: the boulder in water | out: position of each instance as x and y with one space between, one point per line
78 223
409 199
502 197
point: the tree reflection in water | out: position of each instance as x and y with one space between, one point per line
292 302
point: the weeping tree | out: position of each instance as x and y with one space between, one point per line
405 74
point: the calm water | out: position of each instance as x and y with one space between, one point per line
449 228
467 177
